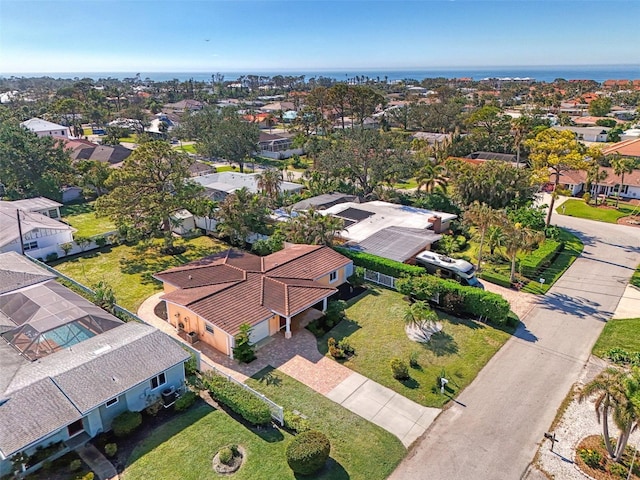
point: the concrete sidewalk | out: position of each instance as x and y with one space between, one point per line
406 419
98 463
629 306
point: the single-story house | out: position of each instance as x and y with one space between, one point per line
576 182
433 138
197 169
219 185
587 134
273 143
41 234
626 148
44 128
212 297
43 205
277 107
68 367
389 230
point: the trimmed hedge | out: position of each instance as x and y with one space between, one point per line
532 264
496 278
472 301
379 264
239 400
308 452
125 423
185 401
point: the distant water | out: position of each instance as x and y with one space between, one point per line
599 73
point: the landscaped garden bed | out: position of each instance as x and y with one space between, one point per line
592 459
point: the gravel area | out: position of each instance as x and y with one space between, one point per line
521 302
579 421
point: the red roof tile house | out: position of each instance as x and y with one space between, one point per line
214 296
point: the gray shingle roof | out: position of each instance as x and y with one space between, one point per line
17 271
32 413
397 243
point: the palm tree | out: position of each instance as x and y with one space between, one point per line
312 227
594 174
431 174
495 238
269 183
520 239
421 321
618 393
482 216
622 165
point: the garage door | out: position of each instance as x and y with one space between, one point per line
259 332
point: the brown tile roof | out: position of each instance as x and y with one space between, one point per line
626 148
576 177
233 287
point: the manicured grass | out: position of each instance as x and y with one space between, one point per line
635 279
128 269
87 131
191 148
184 447
362 449
572 249
130 139
84 219
230 168
620 333
376 329
577 208
408 184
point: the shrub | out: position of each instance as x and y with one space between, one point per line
308 452
225 455
334 350
185 401
346 347
153 409
243 351
88 476
239 400
618 470
379 264
75 465
413 360
532 264
125 423
591 458
335 312
399 369
295 422
111 449
587 198
52 257
497 278
100 242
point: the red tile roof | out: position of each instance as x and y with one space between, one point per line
234 287
626 148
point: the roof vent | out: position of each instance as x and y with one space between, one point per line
190 277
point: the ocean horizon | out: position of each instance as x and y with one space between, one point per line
598 73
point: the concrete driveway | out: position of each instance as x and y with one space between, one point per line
494 428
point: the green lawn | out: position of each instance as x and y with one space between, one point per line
128 269
84 219
184 447
363 449
375 328
133 138
407 184
620 333
635 279
191 148
577 208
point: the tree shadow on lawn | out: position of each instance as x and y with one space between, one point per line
411 383
441 344
331 470
267 377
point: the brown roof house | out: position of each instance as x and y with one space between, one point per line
211 298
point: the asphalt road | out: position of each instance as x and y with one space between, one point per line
493 430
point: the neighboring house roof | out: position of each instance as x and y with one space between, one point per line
29 221
590 120
17 272
268 137
85 150
40 125
627 148
56 390
396 243
228 182
323 201
576 177
185 105
276 106
31 204
364 219
431 137
505 157
583 130
199 168
233 287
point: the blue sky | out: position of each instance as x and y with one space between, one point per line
231 35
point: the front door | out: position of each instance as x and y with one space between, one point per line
75 428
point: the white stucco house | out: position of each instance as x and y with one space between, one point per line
44 128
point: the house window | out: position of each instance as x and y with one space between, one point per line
333 276
53 213
111 402
30 246
158 381
209 328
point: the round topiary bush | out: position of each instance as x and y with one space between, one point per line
225 455
308 452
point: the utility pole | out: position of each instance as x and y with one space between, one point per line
20 232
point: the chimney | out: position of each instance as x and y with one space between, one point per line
436 223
